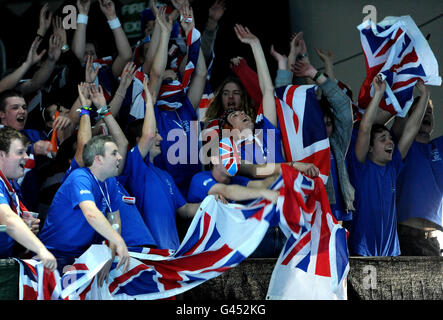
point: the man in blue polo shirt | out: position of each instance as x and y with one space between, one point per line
76 218
420 192
12 162
159 200
375 163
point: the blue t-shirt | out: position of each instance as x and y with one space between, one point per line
203 181
180 155
6 242
133 229
420 184
66 232
373 230
158 198
338 208
268 149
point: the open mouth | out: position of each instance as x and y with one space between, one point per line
21 119
389 150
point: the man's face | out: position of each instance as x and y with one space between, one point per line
240 120
231 96
13 162
155 149
427 124
382 149
15 113
111 160
90 51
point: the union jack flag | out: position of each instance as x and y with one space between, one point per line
229 155
219 238
302 127
314 261
396 49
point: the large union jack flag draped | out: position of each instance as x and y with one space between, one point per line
396 49
219 238
302 127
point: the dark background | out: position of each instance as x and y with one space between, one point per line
270 23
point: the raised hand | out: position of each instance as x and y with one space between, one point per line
216 11
379 84
325 57
164 22
126 77
179 4
422 88
303 69
236 61
90 73
297 44
187 18
55 47
244 35
44 20
33 57
58 30
97 96
83 6
83 94
281 59
108 9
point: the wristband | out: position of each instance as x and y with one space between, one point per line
114 24
87 108
83 112
103 110
82 18
65 47
317 75
301 56
105 115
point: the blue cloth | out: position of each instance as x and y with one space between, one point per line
420 184
182 162
373 231
6 242
203 181
66 232
269 150
338 208
158 198
133 229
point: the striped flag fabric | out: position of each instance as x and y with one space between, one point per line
396 49
229 155
302 127
314 262
219 238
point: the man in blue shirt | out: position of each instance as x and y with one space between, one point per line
375 163
159 200
12 162
420 190
76 218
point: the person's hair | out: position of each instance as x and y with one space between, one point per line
376 128
95 147
8 94
134 131
7 135
215 109
326 108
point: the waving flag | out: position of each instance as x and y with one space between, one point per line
396 49
314 261
302 127
219 238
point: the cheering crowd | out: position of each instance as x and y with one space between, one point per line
108 148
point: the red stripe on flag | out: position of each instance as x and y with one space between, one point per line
300 245
126 276
206 222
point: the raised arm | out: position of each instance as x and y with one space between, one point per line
149 129
84 133
12 79
99 100
198 82
121 41
364 133
44 72
79 40
264 78
126 79
215 13
161 55
414 120
237 192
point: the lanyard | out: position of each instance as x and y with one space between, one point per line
107 199
17 207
